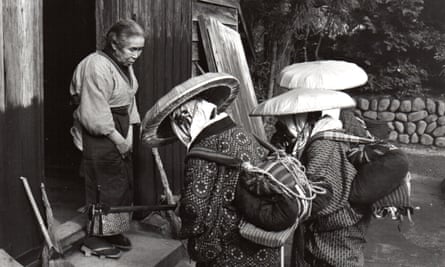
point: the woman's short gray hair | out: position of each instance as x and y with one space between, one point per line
121 31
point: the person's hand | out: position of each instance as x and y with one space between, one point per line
129 138
122 145
124 148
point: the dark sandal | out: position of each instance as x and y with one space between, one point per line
120 241
98 247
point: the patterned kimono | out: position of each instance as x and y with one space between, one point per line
210 221
106 103
335 234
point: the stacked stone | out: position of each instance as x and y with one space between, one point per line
412 121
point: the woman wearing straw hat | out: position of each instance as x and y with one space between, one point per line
103 91
193 113
335 233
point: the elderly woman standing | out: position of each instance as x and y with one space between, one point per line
335 233
103 89
192 113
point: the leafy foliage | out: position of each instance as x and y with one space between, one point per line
394 45
402 49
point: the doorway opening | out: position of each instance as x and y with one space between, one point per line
69 35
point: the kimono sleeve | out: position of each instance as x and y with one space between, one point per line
195 209
96 86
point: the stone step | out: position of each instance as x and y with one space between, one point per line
71 231
185 263
7 261
149 248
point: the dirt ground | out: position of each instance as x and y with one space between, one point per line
423 243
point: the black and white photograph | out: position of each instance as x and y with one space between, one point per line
222 133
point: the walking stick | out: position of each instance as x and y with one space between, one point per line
174 220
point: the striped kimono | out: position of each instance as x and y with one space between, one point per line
335 234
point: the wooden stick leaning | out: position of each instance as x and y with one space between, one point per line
42 226
174 220
55 259
50 219
52 253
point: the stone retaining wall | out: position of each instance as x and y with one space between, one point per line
412 121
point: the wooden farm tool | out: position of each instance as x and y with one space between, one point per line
52 254
174 219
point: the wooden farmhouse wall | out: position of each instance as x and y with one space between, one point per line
164 63
226 11
218 46
21 125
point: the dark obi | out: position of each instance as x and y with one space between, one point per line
103 165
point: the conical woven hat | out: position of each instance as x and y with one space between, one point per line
302 100
218 88
323 74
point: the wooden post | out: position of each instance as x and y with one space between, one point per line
2 70
21 137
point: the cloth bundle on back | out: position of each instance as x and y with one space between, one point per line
273 196
382 179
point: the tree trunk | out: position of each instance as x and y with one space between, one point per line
317 49
272 70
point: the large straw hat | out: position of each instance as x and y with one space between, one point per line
218 88
323 74
302 100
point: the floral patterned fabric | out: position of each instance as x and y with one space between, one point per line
210 220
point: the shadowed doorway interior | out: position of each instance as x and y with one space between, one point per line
69 35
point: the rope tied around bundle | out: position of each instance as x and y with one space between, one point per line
300 188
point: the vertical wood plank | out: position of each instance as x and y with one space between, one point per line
99 21
206 43
19 17
23 118
158 12
226 15
231 3
226 50
3 185
2 68
177 62
148 186
167 77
